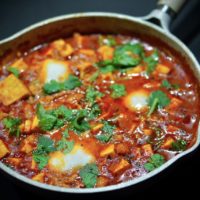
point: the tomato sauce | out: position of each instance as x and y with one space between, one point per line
95 110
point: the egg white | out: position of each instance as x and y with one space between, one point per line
137 100
77 158
54 70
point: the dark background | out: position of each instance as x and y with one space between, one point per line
182 179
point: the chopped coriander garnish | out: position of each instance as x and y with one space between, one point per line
154 162
152 61
44 146
89 175
118 90
92 94
79 123
128 55
107 130
12 125
14 71
157 99
107 69
53 86
51 119
179 145
65 145
94 111
166 84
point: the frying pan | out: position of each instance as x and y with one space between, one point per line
155 25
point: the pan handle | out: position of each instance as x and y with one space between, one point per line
175 5
165 12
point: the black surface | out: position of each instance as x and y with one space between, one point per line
181 179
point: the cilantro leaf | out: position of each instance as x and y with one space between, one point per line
12 124
166 84
179 145
54 86
40 158
14 71
128 55
79 123
72 82
51 119
92 94
118 90
44 146
89 175
94 111
152 61
107 69
154 162
65 145
107 134
157 99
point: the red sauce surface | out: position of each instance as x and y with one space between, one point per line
135 138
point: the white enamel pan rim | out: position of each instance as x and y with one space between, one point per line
124 184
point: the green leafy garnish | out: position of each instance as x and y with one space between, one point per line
14 71
154 162
128 55
179 145
72 82
12 125
107 69
107 130
157 99
89 175
51 119
94 111
92 94
79 123
44 146
118 90
65 145
53 86
166 84
152 61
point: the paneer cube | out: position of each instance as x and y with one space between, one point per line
3 149
39 177
62 47
28 144
106 52
147 150
109 150
162 69
122 148
167 143
119 166
12 90
20 65
102 181
14 161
